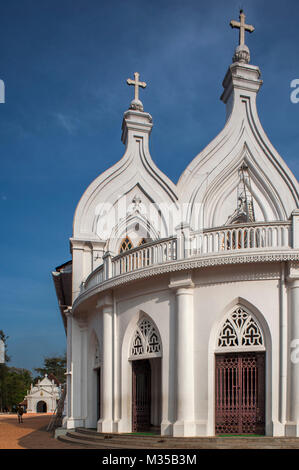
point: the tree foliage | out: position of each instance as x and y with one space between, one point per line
53 365
16 383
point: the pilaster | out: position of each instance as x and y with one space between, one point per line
185 424
105 424
292 428
295 227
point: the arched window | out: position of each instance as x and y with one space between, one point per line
240 331
126 245
146 341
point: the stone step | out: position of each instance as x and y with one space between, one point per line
77 441
121 440
90 438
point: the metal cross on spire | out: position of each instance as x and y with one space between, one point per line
137 84
242 27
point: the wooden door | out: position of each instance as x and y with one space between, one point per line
240 393
141 394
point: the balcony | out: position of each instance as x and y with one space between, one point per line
272 241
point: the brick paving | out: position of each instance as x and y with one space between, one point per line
31 434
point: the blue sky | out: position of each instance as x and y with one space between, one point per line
65 65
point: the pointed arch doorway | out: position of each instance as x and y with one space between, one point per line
240 376
146 354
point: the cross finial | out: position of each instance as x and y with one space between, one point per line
136 103
242 26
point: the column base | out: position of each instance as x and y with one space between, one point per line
106 425
73 423
292 429
124 425
184 429
166 428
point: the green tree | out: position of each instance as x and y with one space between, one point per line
16 384
53 365
3 371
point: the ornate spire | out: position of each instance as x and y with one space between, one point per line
245 209
242 53
136 103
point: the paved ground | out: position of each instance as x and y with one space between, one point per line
31 434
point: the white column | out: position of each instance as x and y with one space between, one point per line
294 351
105 424
68 314
76 418
185 422
117 373
78 267
84 368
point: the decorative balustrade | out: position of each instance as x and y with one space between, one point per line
145 255
95 278
241 238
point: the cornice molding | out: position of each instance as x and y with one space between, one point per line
188 264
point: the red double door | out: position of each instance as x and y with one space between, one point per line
240 393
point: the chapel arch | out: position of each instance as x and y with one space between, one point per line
41 407
240 382
135 228
145 355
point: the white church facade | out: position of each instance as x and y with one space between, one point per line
181 302
43 396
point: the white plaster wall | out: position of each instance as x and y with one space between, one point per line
212 301
159 305
216 291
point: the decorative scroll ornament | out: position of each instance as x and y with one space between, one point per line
240 330
147 341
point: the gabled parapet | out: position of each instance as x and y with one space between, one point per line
209 183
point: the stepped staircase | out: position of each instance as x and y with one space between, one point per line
82 437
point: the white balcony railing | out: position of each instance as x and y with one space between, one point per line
145 255
241 238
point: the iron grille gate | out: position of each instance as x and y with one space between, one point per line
240 393
141 395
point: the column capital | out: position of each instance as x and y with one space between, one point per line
82 321
105 301
185 290
293 274
182 280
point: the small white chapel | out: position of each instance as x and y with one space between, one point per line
181 301
43 396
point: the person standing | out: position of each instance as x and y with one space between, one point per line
20 412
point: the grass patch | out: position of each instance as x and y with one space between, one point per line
239 435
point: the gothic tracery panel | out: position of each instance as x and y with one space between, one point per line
240 329
146 340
